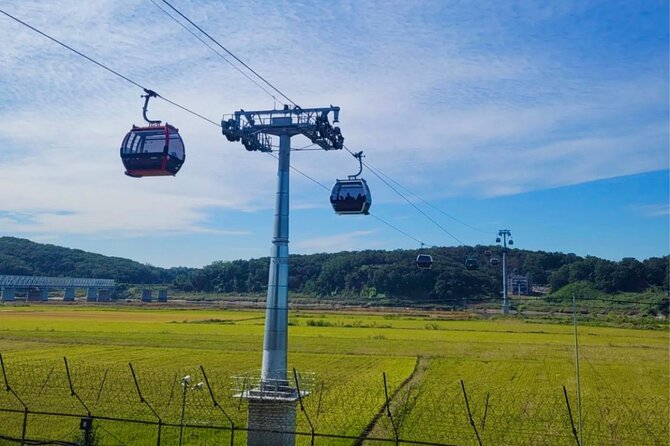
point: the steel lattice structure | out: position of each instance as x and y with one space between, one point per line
53 282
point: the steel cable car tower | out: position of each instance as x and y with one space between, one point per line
272 403
505 233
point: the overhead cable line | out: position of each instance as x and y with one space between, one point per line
127 79
216 52
408 200
292 102
231 54
105 67
397 229
428 203
274 88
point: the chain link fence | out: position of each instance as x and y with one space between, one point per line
65 403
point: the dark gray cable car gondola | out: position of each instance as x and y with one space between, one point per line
154 150
352 196
494 261
471 263
424 261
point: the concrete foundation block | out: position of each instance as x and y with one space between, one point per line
267 415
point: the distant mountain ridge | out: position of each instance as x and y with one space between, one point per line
24 257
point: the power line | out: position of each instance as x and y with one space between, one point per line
216 52
287 98
409 201
79 53
105 67
430 204
397 229
230 53
72 49
101 65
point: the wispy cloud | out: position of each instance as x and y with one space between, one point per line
653 210
338 242
452 100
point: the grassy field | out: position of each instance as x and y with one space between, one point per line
519 367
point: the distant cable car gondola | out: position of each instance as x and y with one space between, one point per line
352 196
424 261
154 150
494 261
471 263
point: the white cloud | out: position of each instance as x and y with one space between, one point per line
338 242
438 105
653 210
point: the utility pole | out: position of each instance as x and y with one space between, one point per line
505 234
272 404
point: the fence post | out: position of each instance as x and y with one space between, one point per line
388 410
218 406
318 407
467 406
572 422
185 381
302 407
142 400
86 423
486 410
25 407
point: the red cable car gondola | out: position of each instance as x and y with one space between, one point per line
154 150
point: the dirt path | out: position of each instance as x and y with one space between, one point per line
380 425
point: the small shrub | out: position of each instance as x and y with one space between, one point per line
318 323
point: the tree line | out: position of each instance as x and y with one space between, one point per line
362 274
394 274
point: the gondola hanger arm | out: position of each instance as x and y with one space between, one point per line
149 94
359 156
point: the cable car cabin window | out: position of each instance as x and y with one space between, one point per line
154 142
137 142
131 143
176 146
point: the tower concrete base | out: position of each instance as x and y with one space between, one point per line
268 418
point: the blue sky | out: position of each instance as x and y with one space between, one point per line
547 119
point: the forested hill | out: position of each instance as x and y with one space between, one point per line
23 257
394 273
357 274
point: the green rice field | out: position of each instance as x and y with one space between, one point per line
513 372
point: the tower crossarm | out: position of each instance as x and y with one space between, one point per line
253 127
